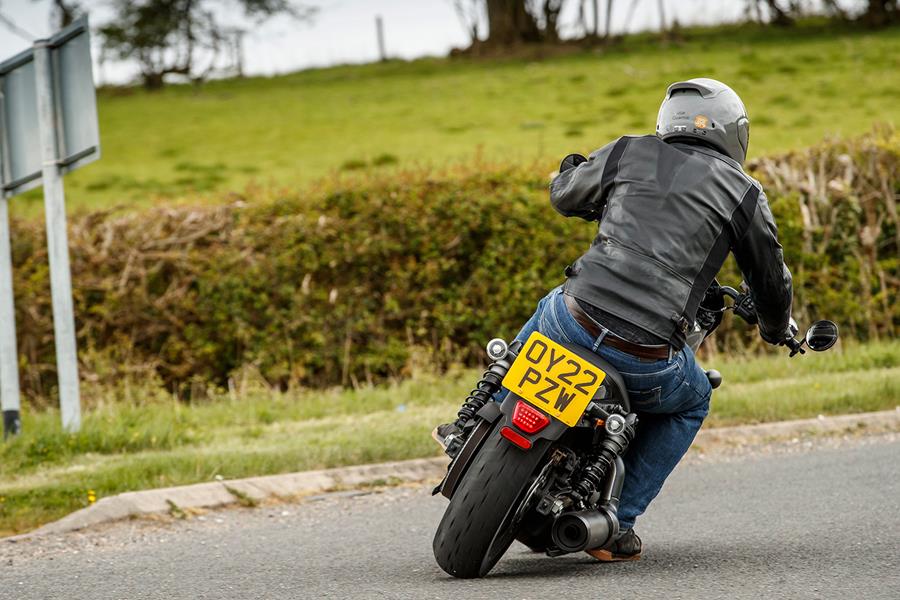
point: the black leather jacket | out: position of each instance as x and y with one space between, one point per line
669 214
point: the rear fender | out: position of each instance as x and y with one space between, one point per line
485 418
491 416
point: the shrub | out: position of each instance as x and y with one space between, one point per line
358 281
385 159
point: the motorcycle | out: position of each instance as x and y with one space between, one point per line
544 466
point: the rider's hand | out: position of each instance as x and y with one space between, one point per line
788 334
570 162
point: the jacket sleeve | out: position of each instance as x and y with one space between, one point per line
582 191
760 258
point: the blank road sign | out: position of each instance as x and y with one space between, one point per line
20 147
79 137
75 111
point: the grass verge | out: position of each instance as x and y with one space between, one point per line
157 441
186 141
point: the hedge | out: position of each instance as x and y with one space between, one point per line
364 279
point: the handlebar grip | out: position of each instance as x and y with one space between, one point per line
729 291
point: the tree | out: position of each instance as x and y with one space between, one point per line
64 13
608 19
515 22
592 31
881 12
630 13
510 23
877 13
469 13
779 16
182 37
546 14
835 9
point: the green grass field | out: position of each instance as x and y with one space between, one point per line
141 439
194 144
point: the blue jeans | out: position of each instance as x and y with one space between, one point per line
670 396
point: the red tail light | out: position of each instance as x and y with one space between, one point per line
516 438
529 419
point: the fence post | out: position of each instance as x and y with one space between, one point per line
379 30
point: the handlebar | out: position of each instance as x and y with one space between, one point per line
743 307
795 345
820 336
729 291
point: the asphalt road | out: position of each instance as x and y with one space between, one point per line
819 522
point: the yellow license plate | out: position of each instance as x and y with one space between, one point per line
554 379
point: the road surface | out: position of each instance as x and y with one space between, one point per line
815 522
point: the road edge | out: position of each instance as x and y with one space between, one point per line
252 490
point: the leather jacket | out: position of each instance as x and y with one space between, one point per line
669 214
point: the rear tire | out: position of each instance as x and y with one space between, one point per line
474 533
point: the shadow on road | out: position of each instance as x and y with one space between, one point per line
663 559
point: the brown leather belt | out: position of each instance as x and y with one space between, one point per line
652 352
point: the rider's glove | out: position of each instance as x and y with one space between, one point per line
570 162
788 334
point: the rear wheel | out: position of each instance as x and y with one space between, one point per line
479 524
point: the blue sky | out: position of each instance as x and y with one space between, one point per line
344 30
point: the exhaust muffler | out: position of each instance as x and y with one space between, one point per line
584 530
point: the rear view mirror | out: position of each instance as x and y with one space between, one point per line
821 335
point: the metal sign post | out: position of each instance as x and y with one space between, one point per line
9 368
57 244
48 127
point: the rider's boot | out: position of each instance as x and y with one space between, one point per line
626 547
442 432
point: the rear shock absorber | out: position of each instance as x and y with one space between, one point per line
620 432
492 379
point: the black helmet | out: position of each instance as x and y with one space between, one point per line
708 110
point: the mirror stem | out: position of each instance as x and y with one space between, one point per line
796 347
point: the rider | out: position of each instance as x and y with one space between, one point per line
670 207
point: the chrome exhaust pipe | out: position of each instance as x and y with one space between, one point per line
584 530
